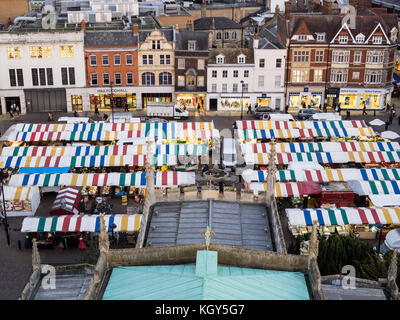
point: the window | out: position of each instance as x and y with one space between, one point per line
278 103
377 39
128 59
214 87
93 60
13 79
224 73
261 63
241 59
148 79
375 57
14 52
64 76
277 81
71 73
32 52
246 73
35 79
261 81
278 63
235 87
105 60
129 78
319 56
360 38
226 36
156 44
317 75
165 78
93 79
162 59
219 36
200 64
320 36
40 52
234 35
356 75
300 56
343 39
192 45
339 76
200 81
302 37
235 73
357 57
42 76
373 77
66 51
300 76
214 73
181 63
106 79
224 87
117 78
150 59
165 59
220 59
341 56
117 60
70 51
20 78
245 87
144 59
181 81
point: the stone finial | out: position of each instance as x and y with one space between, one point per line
104 242
392 271
35 255
271 179
314 243
207 236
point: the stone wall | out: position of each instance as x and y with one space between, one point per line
31 285
227 255
315 280
98 275
278 232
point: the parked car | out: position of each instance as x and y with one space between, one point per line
260 111
304 114
277 117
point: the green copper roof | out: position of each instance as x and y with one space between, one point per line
204 282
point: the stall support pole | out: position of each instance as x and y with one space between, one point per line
379 240
5 214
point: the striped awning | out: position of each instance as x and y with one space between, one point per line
67 200
137 179
18 193
81 223
365 188
264 125
288 189
343 216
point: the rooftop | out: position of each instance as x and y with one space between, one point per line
184 36
234 223
210 23
110 38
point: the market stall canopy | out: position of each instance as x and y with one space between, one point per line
136 179
21 201
327 116
67 202
377 122
366 188
389 135
343 216
264 125
325 175
392 240
73 119
81 223
289 189
385 200
48 170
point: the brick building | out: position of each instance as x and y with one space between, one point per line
191 56
111 60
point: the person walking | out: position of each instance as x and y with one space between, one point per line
96 111
105 117
50 116
248 109
287 109
75 114
126 106
364 110
387 124
338 108
348 115
11 114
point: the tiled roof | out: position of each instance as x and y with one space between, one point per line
231 55
219 23
168 34
110 38
184 36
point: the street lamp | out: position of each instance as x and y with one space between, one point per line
5 212
113 226
112 102
241 110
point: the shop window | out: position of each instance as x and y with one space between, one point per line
348 100
76 102
165 79
235 103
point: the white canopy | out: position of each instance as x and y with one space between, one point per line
392 240
385 200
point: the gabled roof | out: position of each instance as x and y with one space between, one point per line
231 55
219 23
168 34
302 29
110 38
184 36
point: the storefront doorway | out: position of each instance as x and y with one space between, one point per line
12 101
103 101
213 104
76 102
191 101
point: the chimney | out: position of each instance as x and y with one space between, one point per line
203 9
255 41
277 10
287 8
135 29
83 26
212 23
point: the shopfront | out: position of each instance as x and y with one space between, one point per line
263 101
103 101
234 103
155 97
191 100
332 96
77 102
370 98
298 100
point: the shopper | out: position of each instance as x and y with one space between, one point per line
96 111
364 110
387 125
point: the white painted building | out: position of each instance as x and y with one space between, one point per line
42 71
226 70
269 74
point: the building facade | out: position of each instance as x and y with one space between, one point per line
42 71
230 76
191 59
111 59
156 57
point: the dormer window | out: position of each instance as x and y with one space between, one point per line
377 39
343 39
220 59
192 45
302 37
320 36
360 38
242 58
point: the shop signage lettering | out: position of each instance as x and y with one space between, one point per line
109 91
362 91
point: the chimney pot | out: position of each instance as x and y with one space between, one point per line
83 25
135 28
